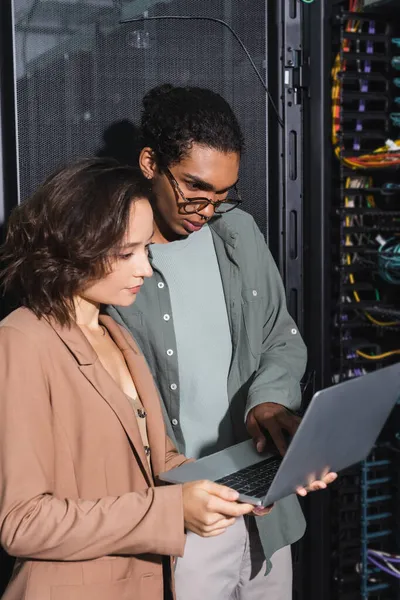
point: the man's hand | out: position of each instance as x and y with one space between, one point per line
274 418
316 485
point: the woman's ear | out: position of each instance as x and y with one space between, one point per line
147 163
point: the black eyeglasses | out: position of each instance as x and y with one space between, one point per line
196 205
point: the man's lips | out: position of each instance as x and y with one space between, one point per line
193 225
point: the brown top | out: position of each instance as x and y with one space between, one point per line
88 504
141 415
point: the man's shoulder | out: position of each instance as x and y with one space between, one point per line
238 220
238 227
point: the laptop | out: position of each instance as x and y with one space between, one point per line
339 429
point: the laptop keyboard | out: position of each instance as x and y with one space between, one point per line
254 480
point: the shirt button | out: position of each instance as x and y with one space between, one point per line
294 331
160 285
254 292
174 422
173 386
166 317
170 352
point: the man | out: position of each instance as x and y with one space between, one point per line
213 325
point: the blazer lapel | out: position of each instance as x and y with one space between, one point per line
146 389
91 367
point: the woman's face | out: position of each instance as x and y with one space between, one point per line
131 264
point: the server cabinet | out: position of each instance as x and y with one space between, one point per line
352 317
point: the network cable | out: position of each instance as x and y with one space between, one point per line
377 356
351 183
389 260
384 156
384 562
233 32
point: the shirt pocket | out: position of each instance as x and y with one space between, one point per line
252 309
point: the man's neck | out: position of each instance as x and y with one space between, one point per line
164 235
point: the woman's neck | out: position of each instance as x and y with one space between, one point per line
87 313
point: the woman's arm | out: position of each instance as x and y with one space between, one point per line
34 523
172 457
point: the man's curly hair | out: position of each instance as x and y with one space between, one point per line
67 233
174 118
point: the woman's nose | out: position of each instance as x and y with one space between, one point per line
144 269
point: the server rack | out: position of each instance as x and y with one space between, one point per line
352 321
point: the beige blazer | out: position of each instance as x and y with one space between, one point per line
78 502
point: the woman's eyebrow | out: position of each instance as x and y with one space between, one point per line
134 244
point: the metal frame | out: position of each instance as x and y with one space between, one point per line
273 146
286 82
8 132
317 154
8 170
293 88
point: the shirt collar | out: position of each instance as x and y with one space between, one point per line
220 226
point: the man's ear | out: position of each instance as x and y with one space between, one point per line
147 163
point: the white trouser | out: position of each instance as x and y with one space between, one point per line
231 566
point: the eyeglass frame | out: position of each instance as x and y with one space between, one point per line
202 199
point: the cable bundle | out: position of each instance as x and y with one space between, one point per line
380 158
360 182
385 562
389 261
362 245
383 156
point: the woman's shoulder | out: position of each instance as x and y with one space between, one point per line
24 320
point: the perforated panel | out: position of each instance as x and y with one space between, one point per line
80 72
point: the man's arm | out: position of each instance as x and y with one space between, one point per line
275 390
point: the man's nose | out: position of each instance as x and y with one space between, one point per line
208 211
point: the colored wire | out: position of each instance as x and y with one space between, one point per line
393 558
384 561
380 158
386 568
351 183
381 323
384 156
377 356
339 67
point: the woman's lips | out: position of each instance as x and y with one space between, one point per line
134 290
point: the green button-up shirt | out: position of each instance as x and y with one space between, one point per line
268 354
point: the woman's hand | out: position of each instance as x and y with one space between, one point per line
209 508
261 511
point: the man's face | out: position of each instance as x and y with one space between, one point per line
206 173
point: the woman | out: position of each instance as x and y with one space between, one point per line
81 429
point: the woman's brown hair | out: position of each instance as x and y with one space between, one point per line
65 234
